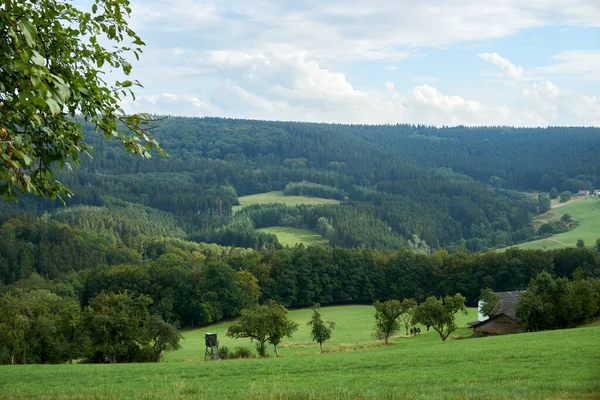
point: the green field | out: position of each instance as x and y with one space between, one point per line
279 197
354 328
292 236
554 364
587 212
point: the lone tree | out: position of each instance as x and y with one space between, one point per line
267 323
320 331
598 245
161 336
53 57
490 300
386 318
439 313
580 244
565 196
408 307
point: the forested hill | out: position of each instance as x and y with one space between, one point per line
403 185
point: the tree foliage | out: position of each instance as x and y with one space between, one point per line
320 331
490 301
53 58
439 313
555 303
386 318
266 323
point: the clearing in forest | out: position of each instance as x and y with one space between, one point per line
279 197
292 236
586 211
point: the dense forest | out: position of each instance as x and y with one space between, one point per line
401 186
193 283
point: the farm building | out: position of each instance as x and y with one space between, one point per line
583 193
597 192
503 319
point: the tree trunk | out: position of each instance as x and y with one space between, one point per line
276 350
321 344
113 359
386 338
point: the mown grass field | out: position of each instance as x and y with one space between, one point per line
554 364
279 197
587 212
292 236
354 329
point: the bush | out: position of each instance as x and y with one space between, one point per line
224 353
239 352
242 352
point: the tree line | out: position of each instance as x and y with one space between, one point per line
191 283
394 177
39 326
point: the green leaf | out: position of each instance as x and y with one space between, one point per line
37 59
54 107
94 8
28 31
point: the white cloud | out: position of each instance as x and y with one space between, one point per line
351 29
305 60
510 70
582 64
424 79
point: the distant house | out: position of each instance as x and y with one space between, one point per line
583 193
597 192
503 319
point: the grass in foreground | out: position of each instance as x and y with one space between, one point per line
279 197
554 364
587 212
292 236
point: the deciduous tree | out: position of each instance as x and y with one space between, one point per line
267 323
439 313
53 57
320 331
386 318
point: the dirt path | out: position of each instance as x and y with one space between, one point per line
556 204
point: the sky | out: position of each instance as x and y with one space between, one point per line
435 62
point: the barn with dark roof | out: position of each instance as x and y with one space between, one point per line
503 319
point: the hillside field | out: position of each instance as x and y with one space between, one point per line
587 212
279 197
354 328
552 364
291 236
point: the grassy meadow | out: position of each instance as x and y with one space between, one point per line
279 197
354 329
553 364
586 211
292 236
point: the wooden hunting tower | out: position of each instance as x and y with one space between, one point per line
212 346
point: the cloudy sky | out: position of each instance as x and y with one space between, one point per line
443 62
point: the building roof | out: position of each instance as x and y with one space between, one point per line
480 323
507 304
583 192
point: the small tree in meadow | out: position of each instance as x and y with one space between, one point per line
439 313
408 307
598 245
268 323
320 331
386 318
580 244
